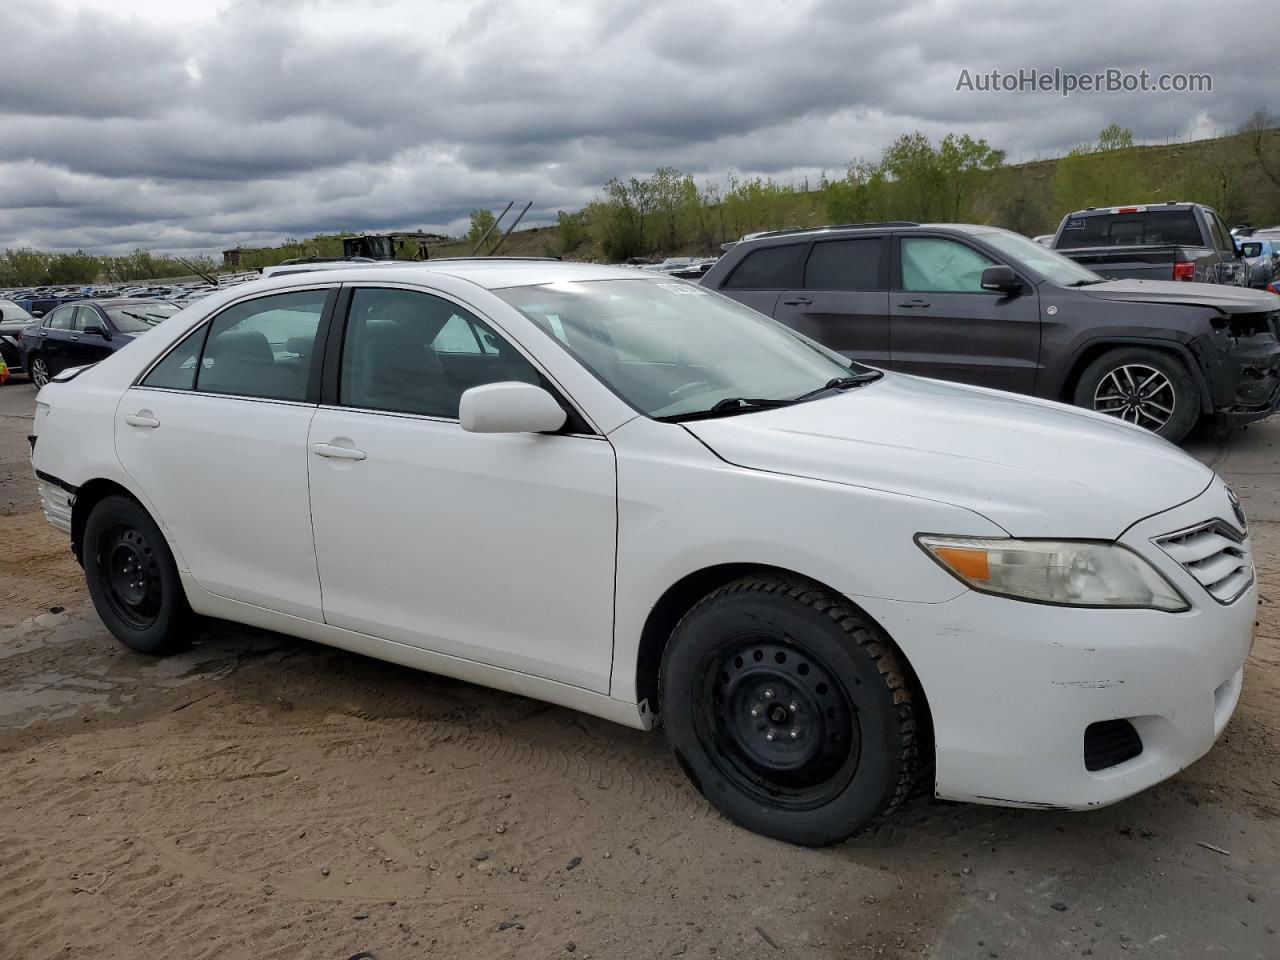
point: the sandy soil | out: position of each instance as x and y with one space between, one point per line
265 797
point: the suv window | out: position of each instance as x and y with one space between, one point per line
942 266
1222 236
262 348
769 269
844 265
61 319
407 352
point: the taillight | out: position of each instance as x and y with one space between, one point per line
1184 271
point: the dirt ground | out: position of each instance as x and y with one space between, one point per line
265 797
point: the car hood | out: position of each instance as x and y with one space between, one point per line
1229 299
1036 468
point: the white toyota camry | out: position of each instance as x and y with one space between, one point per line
633 497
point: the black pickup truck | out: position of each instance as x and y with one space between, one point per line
1166 241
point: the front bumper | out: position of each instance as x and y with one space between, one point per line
1246 378
1013 686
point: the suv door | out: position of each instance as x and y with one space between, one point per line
944 325
763 273
496 548
215 434
844 299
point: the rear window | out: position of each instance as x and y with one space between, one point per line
769 269
1130 229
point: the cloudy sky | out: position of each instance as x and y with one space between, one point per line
190 127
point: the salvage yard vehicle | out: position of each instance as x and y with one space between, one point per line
13 317
84 332
989 307
1166 241
634 497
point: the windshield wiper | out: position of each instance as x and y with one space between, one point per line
727 408
841 383
149 319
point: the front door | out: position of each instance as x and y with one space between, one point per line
216 437
497 548
844 301
944 325
84 346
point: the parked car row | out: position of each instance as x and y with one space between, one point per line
989 307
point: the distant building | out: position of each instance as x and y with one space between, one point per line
231 258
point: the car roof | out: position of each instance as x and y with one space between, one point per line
778 237
491 273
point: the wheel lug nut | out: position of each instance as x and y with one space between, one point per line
769 736
795 733
768 693
756 709
794 707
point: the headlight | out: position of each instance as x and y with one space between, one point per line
1071 573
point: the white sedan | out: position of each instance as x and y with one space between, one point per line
633 497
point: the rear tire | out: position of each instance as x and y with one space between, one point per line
133 579
789 710
1148 387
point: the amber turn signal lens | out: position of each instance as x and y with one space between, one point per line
965 561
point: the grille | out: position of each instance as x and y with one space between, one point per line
1110 742
1216 554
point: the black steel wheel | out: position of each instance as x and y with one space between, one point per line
790 710
133 579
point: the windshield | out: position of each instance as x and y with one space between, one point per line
1053 265
139 317
671 349
12 311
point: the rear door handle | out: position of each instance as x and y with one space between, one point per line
798 302
141 420
912 304
337 453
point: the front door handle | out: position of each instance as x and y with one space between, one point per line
74 336
337 453
142 419
912 304
798 302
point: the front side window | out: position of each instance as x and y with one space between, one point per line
844 265
933 264
674 349
263 347
409 352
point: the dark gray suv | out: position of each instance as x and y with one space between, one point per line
990 307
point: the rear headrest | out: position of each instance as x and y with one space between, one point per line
244 346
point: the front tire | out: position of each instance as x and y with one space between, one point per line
1151 388
38 370
789 710
133 579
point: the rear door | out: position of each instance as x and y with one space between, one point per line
843 299
762 275
55 337
944 325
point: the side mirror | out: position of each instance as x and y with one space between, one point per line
1001 279
37 313
96 330
512 407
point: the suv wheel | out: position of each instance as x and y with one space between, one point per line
39 371
133 579
789 710
1148 387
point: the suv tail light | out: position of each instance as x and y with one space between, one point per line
1184 271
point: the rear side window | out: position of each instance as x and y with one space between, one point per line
177 371
1130 229
844 265
61 319
769 269
262 348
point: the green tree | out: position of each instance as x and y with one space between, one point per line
481 222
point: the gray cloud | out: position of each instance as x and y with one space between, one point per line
263 121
